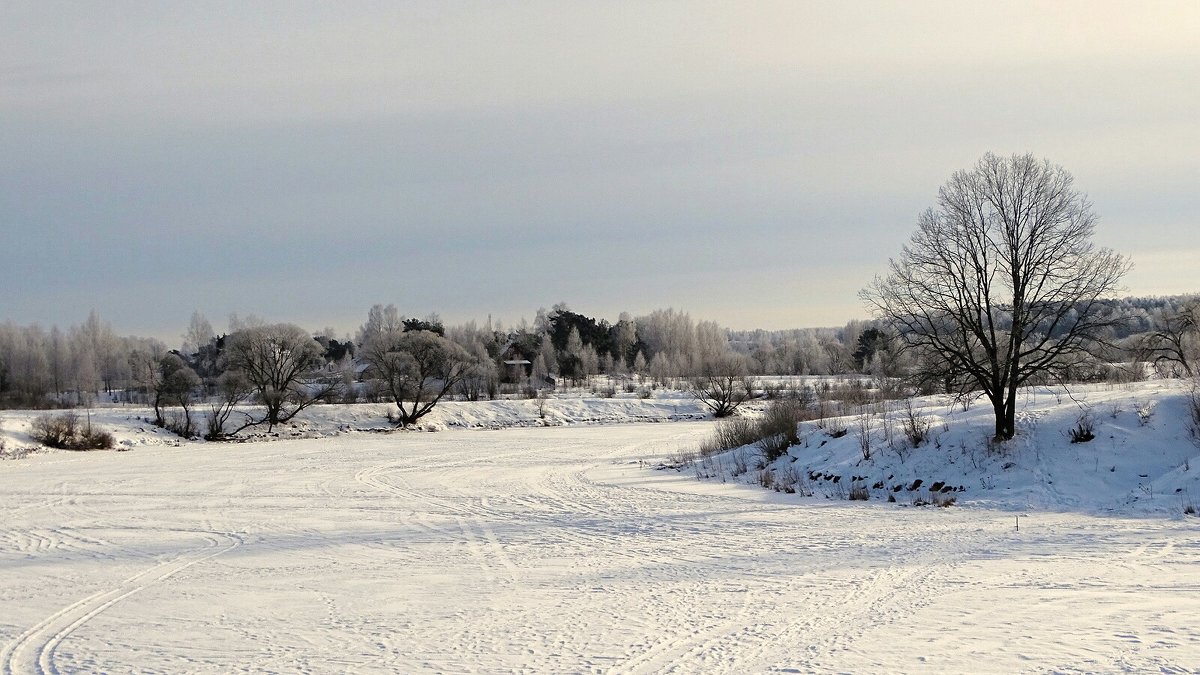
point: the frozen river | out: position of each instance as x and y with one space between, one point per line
553 550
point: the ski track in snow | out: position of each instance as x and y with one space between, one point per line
553 550
33 650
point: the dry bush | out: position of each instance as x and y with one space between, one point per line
1084 430
65 432
859 493
864 436
1193 425
773 447
777 428
915 424
729 434
782 418
739 464
792 481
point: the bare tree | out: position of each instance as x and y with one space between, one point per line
232 388
279 363
723 384
1001 280
417 368
198 334
176 385
1175 344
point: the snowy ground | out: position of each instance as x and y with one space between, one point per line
1143 460
555 550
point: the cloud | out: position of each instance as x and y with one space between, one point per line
744 161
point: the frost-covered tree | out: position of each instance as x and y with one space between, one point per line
416 368
198 334
1173 346
380 320
279 364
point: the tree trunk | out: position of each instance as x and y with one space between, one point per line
1005 419
1006 415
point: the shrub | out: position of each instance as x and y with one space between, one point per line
776 429
864 437
791 481
739 464
773 447
1194 417
65 432
859 493
1145 412
1084 430
781 418
735 432
916 425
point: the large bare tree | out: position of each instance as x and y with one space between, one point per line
723 384
1001 281
417 368
279 364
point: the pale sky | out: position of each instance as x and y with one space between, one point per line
751 163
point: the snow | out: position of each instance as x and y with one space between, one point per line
1133 466
559 549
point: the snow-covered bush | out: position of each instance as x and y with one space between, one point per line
1145 412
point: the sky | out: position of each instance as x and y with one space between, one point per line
755 164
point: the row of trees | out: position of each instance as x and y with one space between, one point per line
1000 286
41 367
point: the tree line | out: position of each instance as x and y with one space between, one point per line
74 367
999 287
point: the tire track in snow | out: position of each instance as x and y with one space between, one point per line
33 651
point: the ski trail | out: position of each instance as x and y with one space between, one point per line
33 650
473 522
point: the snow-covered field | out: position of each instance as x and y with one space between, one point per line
559 550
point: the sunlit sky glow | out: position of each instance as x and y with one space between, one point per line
752 163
